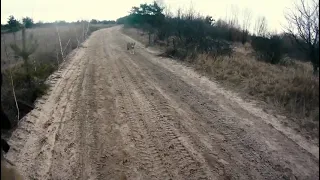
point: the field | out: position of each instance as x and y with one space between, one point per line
44 61
48 41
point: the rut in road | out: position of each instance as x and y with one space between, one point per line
114 115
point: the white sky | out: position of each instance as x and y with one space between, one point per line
72 10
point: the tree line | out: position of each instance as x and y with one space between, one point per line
13 25
186 34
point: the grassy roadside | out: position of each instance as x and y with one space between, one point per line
289 89
293 91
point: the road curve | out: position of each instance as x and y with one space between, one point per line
114 115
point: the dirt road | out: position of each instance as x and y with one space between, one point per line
114 115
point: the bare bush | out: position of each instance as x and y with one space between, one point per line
246 23
268 49
260 27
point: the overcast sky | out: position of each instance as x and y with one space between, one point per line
72 10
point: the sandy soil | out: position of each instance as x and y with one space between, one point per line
114 115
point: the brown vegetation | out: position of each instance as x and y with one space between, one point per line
288 86
292 88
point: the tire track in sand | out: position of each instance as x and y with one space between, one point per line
149 160
180 161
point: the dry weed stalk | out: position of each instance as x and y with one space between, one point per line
66 46
62 50
58 58
87 30
10 73
60 43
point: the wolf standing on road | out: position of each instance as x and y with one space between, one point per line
130 46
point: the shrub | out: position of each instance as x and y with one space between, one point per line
268 49
25 92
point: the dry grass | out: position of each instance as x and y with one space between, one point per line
290 89
48 42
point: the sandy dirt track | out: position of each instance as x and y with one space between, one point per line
114 115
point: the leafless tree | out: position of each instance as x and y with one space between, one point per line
246 22
233 18
167 11
191 13
303 26
260 27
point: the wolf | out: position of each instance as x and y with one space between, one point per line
130 47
